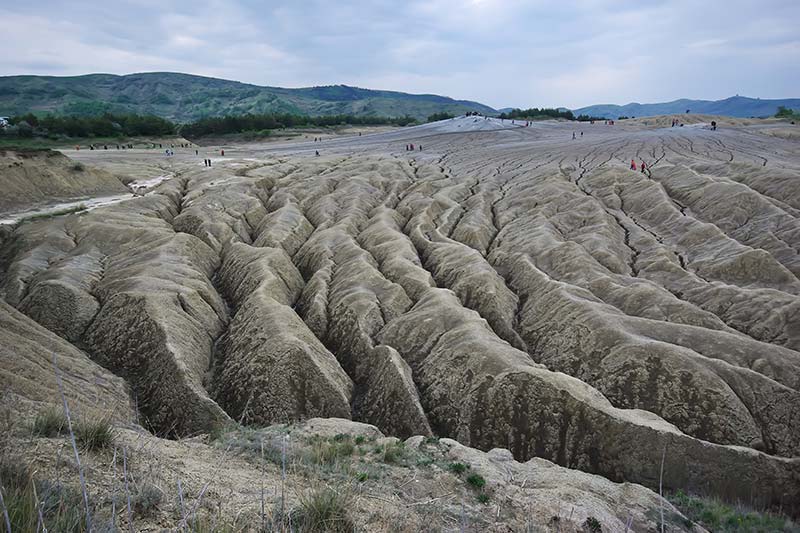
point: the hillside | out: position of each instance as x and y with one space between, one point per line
735 106
185 97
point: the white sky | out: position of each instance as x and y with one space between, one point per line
504 53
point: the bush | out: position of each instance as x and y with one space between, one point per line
483 497
477 481
77 167
49 422
326 510
146 499
94 434
458 468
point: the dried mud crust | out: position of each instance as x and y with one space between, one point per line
508 289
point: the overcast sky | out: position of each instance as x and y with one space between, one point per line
505 53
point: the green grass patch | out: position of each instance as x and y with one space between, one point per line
61 506
324 509
720 517
458 468
49 422
94 434
476 480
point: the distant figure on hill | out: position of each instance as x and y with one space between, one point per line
573 135
196 152
643 167
581 134
317 152
222 152
633 164
420 147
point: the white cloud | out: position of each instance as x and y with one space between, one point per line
501 52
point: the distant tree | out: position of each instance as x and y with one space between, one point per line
440 116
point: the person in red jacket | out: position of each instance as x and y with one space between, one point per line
633 164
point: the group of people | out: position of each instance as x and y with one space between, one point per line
410 147
207 162
642 165
573 135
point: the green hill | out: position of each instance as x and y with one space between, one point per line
735 106
184 97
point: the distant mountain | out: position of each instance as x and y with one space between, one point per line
185 97
735 106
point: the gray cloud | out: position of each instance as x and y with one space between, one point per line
501 52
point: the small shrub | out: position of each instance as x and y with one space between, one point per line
146 499
324 451
62 507
592 525
394 453
324 510
458 468
361 439
77 167
49 422
94 434
477 481
362 477
483 497
431 440
424 461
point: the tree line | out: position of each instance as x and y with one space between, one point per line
267 122
105 125
545 112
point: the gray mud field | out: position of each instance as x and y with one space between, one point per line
506 286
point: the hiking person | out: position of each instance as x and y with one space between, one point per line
643 167
222 152
420 147
581 134
633 164
317 152
196 152
573 135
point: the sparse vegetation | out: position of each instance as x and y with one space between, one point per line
54 213
328 451
717 516
592 525
458 468
146 499
94 434
476 480
25 497
49 422
483 497
324 509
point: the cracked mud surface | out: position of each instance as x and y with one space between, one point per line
506 287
